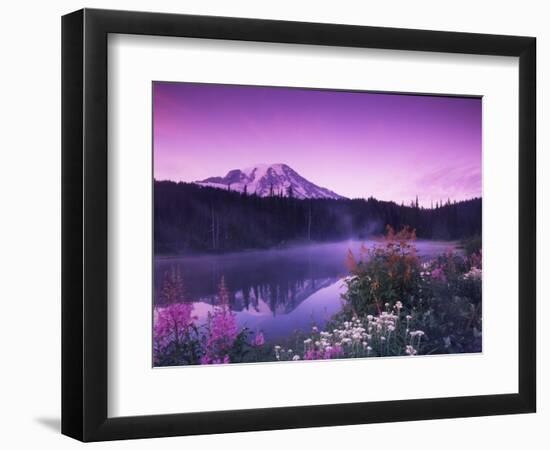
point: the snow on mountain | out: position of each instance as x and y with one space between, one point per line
269 180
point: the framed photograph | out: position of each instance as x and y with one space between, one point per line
273 224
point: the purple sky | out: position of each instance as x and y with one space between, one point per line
391 147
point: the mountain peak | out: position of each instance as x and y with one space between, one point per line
267 180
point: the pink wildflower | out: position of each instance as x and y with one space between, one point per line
259 339
207 360
171 323
333 352
172 287
222 331
312 354
438 274
327 353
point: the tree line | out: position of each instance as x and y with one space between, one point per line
190 218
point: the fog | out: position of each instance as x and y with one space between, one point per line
276 291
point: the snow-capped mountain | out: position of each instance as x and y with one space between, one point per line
269 180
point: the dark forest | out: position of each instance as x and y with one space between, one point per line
191 219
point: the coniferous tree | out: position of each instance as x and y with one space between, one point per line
190 218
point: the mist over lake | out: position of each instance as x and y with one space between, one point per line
275 291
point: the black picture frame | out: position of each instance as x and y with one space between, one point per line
84 224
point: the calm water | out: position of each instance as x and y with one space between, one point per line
275 291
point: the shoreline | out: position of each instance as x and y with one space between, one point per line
455 244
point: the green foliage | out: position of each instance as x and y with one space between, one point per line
442 297
182 352
386 273
241 349
471 245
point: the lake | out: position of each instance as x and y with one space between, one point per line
274 291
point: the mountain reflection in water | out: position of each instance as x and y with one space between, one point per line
275 291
